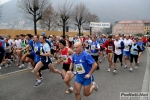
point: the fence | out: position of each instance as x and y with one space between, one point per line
13 33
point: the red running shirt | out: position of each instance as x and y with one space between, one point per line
66 58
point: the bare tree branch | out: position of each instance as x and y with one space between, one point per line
64 12
33 9
79 15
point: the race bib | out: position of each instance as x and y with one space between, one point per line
86 44
54 47
141 47
92 47
41 50
64 58
126 47
110 48
35 49
100 44
80 69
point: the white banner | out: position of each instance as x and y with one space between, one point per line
100 25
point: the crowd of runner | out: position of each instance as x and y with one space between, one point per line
80 56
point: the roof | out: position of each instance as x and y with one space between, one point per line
131 22
146 21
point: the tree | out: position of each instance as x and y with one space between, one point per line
63 13
79 16
92 18
49 17
34 10
0 12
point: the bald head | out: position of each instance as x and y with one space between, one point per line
78 47
78 44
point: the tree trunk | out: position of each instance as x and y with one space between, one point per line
79 29
64 28
49 25
35 30
90 31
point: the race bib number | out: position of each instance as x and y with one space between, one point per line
92 47
100 44
41 50
64 58
126 47
86 44
110 48
35 49
141 47
54 47
80 69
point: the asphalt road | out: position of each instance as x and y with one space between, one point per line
20 85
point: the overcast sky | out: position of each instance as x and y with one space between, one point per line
113 10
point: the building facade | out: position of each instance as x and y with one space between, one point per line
128 27
146 26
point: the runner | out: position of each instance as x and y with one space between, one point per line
29 55
85 66
127 43
95 47
2 53
23 45
87 43
45 61
66 56
134 50
109 47
17 46
119 46
141 44
101 41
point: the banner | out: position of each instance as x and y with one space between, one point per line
100 25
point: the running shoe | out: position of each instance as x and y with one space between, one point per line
115 71
125 66
69 90
21 66
96 87
108 69
135 67
131 69
38 83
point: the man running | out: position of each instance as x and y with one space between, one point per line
95 47
127 43
119 46
66 56
45 61
85 66
109 47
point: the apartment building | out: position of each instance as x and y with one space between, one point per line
146 26
128 27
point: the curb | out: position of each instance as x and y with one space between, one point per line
146 80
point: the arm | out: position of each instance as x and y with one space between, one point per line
122 45
94 66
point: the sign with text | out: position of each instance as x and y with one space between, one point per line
100 25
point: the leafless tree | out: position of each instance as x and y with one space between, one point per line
33 9
79 16
49 18
64 12
92 18
0 12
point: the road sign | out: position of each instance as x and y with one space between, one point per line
100 24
